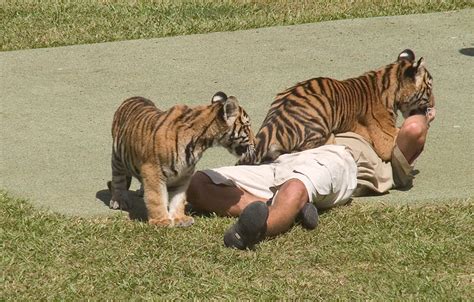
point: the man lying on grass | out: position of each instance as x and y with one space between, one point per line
269 198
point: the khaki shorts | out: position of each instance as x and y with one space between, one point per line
374 175
328 173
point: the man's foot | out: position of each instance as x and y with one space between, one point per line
250 227
308 216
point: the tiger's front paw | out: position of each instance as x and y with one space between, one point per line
183 221
164 222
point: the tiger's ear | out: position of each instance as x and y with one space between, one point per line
416 71
230 110
420 68
219 97
420 65
407 54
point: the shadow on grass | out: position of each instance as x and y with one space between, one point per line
136 205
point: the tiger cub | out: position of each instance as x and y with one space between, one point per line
304 116
161 149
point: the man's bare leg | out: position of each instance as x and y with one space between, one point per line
287 204
258 220
223 200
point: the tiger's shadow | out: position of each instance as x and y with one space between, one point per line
136 210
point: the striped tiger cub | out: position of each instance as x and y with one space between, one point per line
304 116
161 149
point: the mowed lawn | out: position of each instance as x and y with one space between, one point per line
49 23
362 251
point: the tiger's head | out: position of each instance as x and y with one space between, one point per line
238 137
415 90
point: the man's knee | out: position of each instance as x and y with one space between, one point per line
414 131
295 192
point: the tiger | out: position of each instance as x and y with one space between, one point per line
162 148
306 115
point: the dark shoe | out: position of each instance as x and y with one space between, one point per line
250 227
308 216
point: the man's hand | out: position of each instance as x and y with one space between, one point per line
430 115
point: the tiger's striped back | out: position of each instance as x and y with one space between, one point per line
175 139
304 116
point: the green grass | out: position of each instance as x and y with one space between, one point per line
49 23
362 251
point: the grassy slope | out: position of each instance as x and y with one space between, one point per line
49 23
358 252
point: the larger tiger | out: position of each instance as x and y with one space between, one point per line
304 116
161 149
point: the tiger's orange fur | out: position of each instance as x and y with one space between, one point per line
161 149
304 116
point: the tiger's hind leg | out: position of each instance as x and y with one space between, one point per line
129 182
383 141
314 140
308 142
382 131
156 195
331 140
274 150
119 188
119 185
177 205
